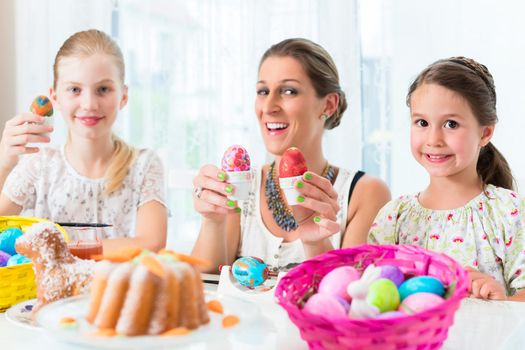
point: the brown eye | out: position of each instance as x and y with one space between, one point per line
421 122
451 124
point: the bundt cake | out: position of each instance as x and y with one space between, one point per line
58 274
151 294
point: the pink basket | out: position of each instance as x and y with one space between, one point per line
424 330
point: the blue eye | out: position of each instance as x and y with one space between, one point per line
451 124
103 90
75 90
421 122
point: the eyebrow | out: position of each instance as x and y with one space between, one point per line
449 115
104 81
282 81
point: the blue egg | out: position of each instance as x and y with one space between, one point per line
8 238
420 284
250 271
17 259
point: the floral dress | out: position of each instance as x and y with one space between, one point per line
487 233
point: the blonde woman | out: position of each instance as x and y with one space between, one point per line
94 176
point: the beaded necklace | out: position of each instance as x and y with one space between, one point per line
282 215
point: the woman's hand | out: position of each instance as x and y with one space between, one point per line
210 194
484 286
18 132
317 209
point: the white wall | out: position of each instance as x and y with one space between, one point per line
7 61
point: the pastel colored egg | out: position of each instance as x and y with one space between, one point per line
391 314
393 273
336 281
326 305
383 294
250 271
235 158
419 302
4 258
18 259
42 106
8 238
420 284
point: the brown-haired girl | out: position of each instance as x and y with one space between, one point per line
298 96
95 177
469 210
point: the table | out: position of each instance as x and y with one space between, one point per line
478 325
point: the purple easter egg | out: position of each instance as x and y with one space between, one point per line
419 302
393 273
336 281
4 258
325 305
391 314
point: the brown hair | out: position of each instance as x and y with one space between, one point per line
319 67
472 81
84 44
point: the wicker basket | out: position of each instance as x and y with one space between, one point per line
424 330
17 283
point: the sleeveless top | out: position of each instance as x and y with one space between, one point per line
256 240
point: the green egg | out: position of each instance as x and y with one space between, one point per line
384 295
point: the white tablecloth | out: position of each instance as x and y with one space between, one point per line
478 325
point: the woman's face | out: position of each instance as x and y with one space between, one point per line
287 106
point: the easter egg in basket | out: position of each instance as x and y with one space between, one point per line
250 271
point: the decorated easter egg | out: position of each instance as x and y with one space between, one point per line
292 163
393 273
420 284
4 258
327 305
419 302
336 281
8 238
235 158
383 294
42 106
17 259
250 271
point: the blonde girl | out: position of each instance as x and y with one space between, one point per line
95 177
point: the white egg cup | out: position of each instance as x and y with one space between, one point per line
49 121
242 181
288 187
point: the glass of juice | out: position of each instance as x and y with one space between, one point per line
84 242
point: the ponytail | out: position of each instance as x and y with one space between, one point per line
493 168
123 157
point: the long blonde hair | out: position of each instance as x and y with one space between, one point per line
84 44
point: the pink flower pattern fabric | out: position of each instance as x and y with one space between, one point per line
488 233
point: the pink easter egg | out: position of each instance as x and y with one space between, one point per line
336 282
326 305
419 302
235 158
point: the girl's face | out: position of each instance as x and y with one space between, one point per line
288 108
89 93
445 136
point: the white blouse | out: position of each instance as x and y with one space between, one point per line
45 185
258 241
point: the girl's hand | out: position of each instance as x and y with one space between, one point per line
318 203
484 286
210 194
19 131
